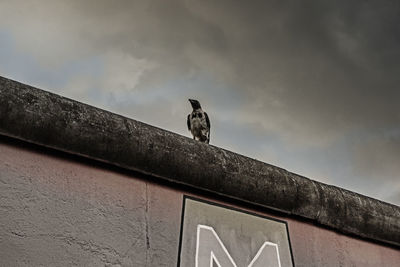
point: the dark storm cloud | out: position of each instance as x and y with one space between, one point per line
328 66
319 66
319 77
379 157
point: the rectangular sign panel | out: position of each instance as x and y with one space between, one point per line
215 235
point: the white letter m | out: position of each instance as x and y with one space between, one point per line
210 250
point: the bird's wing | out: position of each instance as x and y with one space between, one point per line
188 122
207 120
208 126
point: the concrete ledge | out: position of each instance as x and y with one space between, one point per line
46 119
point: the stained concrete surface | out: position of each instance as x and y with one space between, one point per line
316 247
59 213
49 120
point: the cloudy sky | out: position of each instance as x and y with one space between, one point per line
310 86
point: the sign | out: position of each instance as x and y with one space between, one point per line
215 235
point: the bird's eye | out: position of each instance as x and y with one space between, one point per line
193 115
200 115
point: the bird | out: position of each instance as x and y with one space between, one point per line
198 123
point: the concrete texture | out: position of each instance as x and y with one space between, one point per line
315 247
58 211
49 120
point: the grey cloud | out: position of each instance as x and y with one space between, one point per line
330 67
310 73
379 158
321 61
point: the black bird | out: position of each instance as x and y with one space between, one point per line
198 123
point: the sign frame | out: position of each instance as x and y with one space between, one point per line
209 202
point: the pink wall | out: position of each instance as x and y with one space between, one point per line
57 211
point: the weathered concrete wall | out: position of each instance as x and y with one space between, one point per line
57 211
46 119
82 186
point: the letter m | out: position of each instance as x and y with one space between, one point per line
210 251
